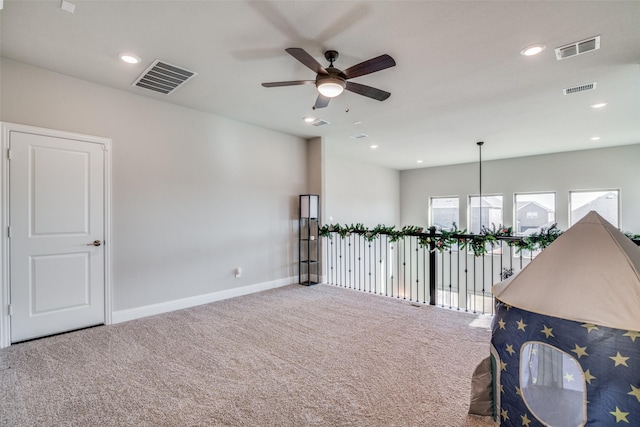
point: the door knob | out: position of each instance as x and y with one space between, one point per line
95 243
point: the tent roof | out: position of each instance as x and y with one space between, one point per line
590 274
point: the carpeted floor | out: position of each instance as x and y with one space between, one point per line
292 356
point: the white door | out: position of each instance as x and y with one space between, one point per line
56 218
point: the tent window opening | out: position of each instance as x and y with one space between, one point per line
553 385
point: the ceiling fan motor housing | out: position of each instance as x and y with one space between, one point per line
334 76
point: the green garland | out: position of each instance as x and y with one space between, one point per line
444 240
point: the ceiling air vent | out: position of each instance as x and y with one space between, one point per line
319 122
578 48
360 136
581 88
163 77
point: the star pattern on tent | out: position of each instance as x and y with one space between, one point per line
547 331
590 327
505 414
501 323
632 334
619 359
521 325
620 416
580 351
588 377
612 394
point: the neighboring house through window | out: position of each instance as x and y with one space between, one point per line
604 202
534 211
486 214
444 212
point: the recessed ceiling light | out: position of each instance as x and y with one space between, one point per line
129 58
595 138
419 161
532 50
67 6
373 147
359 122
599 105
309 119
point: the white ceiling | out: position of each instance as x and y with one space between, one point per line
459 77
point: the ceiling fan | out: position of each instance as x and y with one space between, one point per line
331 81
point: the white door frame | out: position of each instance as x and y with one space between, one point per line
6 129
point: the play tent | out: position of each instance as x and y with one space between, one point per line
565 344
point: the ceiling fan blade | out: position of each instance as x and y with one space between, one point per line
321 102
289 83
371 66
308 60
368 91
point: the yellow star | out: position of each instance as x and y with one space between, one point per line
548 332
632 334
525 420
519 392
580 351
503 366
620 416
521 325
619 359
635 391
505 414
501 388
510 349
588 377
590 327
568 377
501 323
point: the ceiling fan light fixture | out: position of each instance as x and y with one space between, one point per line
330 89
330 85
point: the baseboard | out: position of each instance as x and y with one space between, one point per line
165 307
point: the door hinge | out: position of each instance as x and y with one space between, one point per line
10 309
9 232
9 153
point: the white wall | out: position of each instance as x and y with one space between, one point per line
611 168
194 195
358 192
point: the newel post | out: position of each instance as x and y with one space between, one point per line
432 265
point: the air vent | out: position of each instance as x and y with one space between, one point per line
581 88
360 136
578 48
163 77
319 122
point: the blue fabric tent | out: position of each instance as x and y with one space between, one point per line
571 362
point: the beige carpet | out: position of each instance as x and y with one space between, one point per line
293 356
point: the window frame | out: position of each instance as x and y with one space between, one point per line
598 190
430 211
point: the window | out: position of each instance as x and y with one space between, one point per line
534 211
444 212
604 202
552 385
486 212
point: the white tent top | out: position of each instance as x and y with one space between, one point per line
590 274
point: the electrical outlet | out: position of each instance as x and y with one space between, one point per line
238 272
